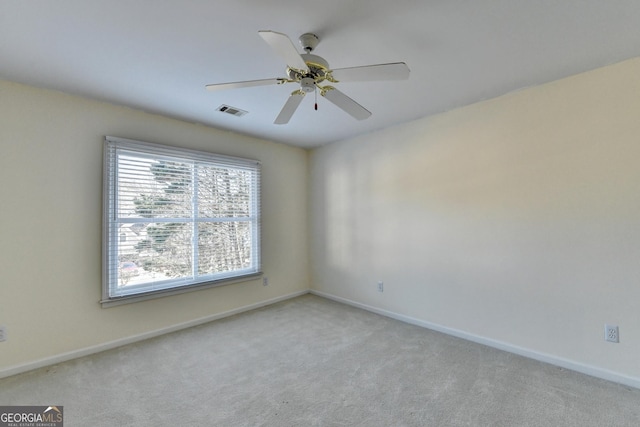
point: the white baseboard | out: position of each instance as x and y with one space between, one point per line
542 357
531 354
48 361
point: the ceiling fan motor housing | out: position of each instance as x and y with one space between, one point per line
318 69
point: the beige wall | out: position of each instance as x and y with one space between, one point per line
50 224
514 221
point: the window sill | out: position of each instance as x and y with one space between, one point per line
128 299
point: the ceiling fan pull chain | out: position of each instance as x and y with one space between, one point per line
315 92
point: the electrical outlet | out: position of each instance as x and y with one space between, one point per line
265 281
611 333
3 333
380 287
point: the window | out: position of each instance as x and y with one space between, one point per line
176 220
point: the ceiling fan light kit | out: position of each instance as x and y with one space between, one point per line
310 70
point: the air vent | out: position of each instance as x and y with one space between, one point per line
232 110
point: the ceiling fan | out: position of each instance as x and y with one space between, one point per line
309 71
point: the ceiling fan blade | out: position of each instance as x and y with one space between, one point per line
285 48
248 83
289 108
341 100
392 71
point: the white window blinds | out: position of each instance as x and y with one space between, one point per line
177 218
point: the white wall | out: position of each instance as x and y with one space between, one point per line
50 225
513 221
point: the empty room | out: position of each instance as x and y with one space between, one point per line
346 213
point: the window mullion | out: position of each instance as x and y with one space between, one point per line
195 214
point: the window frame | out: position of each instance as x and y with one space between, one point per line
113 146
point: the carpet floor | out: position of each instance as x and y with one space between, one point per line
309 361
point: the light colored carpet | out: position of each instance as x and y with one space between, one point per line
314 362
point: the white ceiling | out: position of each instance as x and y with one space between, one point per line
157 55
